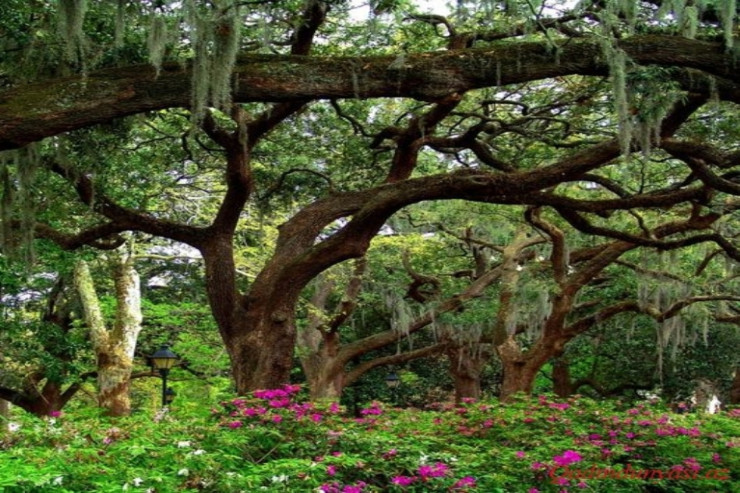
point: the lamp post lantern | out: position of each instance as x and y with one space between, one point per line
392 381
163 360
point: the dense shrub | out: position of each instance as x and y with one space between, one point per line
275 442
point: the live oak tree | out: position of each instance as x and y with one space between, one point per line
517 99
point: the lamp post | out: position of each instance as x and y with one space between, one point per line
164 359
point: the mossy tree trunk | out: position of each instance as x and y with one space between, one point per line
466 364
114 348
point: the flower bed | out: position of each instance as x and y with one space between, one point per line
275 442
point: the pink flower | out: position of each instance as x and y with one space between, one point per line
331 470
538 466
521 454
434 471
463 483
559 405
55 414
235 424
568 457
533 490
277 419
291 389
403 480
334 408
316 417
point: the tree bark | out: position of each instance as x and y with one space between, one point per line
735 388
466 364
47 108
4 412
114 348
561 382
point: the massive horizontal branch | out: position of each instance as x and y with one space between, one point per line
35 111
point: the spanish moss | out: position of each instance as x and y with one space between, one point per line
157 41
70 18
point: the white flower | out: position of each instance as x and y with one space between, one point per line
13 427
183 472
423 459
280 479
125 486
200 451
137 481
183 444
57 480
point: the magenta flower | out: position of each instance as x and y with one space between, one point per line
520 454
331 470
291 389
434 471
538 466
235 424
464 483
403 480
559 405
277 419
568 457
316 417
55 414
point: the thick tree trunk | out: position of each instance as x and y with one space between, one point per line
466 364
561 382
520 368
261 346
327 386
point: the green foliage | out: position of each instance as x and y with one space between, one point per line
276 443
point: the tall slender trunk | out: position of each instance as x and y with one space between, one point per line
114 348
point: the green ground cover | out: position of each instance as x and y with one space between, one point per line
275 441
